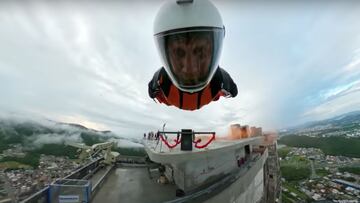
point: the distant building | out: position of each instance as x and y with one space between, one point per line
245 131
235 131
254 131
269 138
238 131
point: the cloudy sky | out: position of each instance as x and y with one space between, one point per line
89 63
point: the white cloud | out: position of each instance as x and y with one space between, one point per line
126 143
335 107
340 90
92 62
41 139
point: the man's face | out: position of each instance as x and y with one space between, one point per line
190 57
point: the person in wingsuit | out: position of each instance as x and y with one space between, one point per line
189 36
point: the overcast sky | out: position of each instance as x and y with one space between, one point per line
89 63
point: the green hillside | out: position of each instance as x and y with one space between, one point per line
337 146
28 136
297 168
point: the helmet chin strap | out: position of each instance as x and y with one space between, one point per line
184 1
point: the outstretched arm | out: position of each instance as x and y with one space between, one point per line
154 86
228 85
154 89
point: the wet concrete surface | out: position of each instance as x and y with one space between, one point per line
133 185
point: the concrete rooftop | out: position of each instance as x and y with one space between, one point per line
133 185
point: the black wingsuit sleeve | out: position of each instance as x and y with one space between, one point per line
228 83
153 86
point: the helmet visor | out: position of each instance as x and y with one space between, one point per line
191 56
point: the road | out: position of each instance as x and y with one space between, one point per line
313 173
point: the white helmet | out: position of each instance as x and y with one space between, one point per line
189 35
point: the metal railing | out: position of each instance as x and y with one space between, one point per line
42 195
98 185
178 133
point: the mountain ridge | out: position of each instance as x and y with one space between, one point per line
30 133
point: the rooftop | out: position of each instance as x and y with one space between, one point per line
133 185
